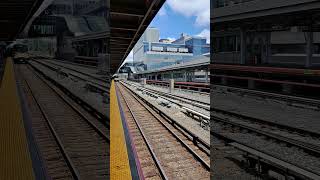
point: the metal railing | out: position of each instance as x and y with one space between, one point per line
223 3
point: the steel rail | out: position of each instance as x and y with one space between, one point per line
194 87
253 119
199 158
306 146
154 157
272 95
183 99
63 151
194 138
52 129
314 149
101 117
87 74
46 64
231 140
102 134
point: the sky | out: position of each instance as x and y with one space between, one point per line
191 17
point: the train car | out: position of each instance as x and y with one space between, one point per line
20 53
200 79
115 77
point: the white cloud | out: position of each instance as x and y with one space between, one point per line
205 33
163 11
129 57
203 19
198 8
171 38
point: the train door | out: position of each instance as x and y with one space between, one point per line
189 76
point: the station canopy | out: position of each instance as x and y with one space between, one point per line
128 21
84 25
14 15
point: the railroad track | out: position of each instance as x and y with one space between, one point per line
73 143
76 70
182 86
228 161
289 99
273 131
165 151
170 97
73 63
294 131
197 110
95 110
97 81
279 140
307 140
236 160
258 125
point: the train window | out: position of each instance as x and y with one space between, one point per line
199 76
226 44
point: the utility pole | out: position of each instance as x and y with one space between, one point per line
72 7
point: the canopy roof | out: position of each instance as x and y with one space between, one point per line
14 15
128 21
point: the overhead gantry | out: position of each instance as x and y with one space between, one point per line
14 15
128 21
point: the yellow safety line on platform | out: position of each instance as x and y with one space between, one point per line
119 161
15 160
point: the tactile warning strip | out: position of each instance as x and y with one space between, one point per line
15 159
119 161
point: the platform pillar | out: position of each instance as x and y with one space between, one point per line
309 48
171 82
243 45
144 81
193 76
224 81
268 47
206 76
103 63
286 88
88 49
251 84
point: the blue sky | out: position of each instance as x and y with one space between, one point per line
174 19
191 17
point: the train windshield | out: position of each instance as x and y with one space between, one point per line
20 48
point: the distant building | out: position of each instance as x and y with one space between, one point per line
155 53
195 70
70 28
165 40
71 7
253 32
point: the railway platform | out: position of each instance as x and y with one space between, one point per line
16 160
155 148
123 161
31 140
301 82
